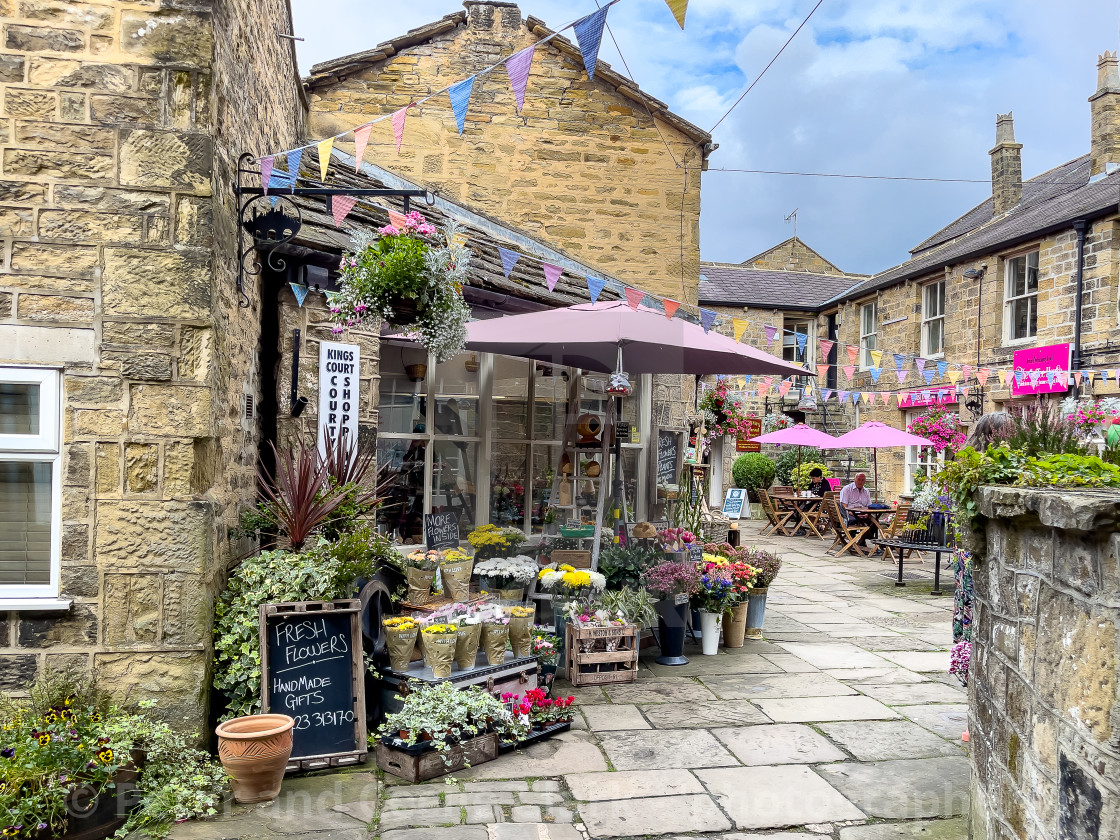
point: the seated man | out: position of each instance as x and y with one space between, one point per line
856 495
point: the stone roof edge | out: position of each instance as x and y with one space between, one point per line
803 244
741 267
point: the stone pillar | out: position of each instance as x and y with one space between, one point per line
1044 702
1007 165
1105 107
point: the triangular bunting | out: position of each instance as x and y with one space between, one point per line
1076 378
802 339
849 371
324 147
920 364
876 358
783 389
707 319
822 371
1089 376
509 259
853 353
954 376
595 286
589 35
1003 374
826 393
300 292
855 397
341 206
398 125
982 375
361 140
398 220
267 163
1036 374
842 396
876 373
678 8
634 297
942 366
771 332
928 375
460 96
966 372
551 274
671 307
826 348
517 66
295 157
738 327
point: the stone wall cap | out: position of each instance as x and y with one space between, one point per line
1069 508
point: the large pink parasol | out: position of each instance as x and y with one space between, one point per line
874 435
799 435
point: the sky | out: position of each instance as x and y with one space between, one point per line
878 87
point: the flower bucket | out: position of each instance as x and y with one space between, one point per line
709 629
456 579
255 750
756 612
440 651
672 622
400 644
467 638
516 595
494 637
419 585
735 625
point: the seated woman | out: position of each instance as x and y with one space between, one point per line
817 485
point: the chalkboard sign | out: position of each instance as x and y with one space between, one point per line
441 530
311 669
695 552
668 455
733 503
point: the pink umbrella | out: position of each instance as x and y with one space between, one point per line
799 435
874 435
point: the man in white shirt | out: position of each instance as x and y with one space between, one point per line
858 496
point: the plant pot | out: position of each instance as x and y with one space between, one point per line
517 594
400 644
546 677
494 638
456 579
672 621
756 612
709 628
254 750
521 635
467 638
419 585
735 625
677 556
439 648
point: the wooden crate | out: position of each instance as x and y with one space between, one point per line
575 559
429 764
601 666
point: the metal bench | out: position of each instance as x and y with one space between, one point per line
923 531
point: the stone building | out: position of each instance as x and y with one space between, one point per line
1002 278
144 365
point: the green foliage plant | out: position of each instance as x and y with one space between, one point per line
800 475
785 462
1037 429
753 472
623 566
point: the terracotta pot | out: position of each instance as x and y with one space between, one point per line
255 750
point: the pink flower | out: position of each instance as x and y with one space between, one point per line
388 230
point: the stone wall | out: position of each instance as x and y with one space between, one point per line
583 167
120 126
1044 689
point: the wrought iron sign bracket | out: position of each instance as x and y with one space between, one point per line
268 229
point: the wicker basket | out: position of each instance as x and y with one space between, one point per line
715 530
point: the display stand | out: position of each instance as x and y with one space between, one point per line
517 675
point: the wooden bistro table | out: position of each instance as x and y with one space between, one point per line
807 508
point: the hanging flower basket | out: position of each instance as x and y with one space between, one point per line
413 278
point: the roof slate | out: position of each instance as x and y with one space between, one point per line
725 284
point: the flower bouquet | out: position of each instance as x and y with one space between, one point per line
439 648
495 635
455 569
490 541
400 639
508 575
743 576
568 582
468 637
420 571
521 630
671 579
676 541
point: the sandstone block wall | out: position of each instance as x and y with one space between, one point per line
119 126
1044 690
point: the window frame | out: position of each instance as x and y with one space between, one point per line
927 319
914 459
44 447
865 360
1009 299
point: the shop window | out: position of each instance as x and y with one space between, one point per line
868 332
30 494
933 319
1021 297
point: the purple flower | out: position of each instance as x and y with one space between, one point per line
8 752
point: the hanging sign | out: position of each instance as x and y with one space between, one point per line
920 399
743 443
339 366
441 530
733 503
311 669
1052 357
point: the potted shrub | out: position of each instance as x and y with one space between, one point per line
800 474
714 595
768 566
753 472
255 750
674 583
413 278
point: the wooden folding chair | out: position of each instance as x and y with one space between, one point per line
895 529
824 521
778 518
847 536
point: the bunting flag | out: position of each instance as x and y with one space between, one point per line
762 388
460 96
826 348
266 171
1003 374
982 375
595 286
678 8
509 260
927 396
324 147
826 393
853 354
361 140
707 319
295 157
849 371
920 364
855 397
928 375
397 220
671 307
842 396
954 376
1051 377
1089 376
633 297
551 274
802 339
398 125
884 398
876 373
738 326
771 332
341 206
876 358
589 35
783 389
300 292
1034 375
1076 378
517 66
966 371
822 371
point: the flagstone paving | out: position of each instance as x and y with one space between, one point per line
842 724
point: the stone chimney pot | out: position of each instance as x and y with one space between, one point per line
1007 165
1105 108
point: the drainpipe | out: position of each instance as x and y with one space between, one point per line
1079 226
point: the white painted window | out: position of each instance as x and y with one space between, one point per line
798 351
30 488
921 461
868 332
1020 319
933 320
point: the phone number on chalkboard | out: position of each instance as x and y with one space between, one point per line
323 719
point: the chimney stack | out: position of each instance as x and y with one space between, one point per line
1007 166
1105 105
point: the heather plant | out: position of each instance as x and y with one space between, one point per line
1036 429
672 578
768 566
